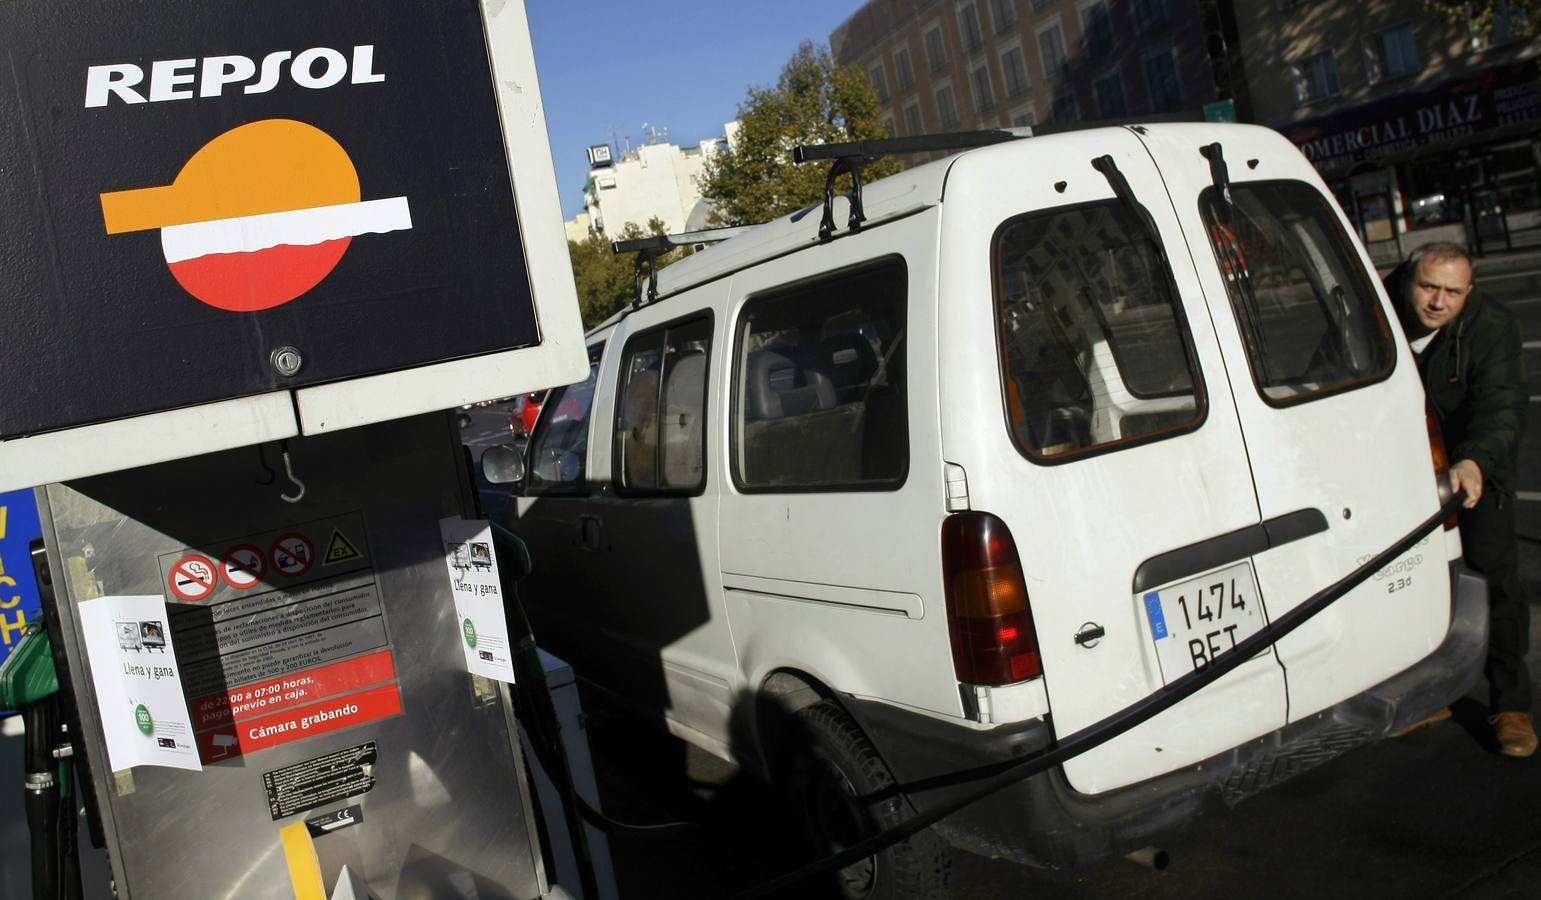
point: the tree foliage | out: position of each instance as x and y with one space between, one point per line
1524 16
606 281
813 102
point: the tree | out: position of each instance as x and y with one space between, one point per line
1524 16
606 281
813 102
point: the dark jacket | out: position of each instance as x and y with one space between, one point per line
1475 381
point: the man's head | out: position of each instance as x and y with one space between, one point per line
1438 282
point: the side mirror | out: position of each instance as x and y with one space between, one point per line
502 465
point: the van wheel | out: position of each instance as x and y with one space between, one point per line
829 777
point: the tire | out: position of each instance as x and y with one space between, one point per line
835 767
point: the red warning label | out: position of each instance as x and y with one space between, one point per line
275 694
293 554
243 566
297 724
192 578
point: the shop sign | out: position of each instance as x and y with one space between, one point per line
1491 99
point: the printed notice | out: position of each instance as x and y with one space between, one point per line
317 782
138 688
473 576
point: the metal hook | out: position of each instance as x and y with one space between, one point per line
289 471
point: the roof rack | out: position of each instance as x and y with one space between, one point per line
649 248
850 157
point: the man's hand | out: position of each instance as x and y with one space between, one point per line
1466 476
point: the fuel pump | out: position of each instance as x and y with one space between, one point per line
262 249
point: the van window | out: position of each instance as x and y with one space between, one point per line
1094 348
820 384
660 433
1308 315
561 440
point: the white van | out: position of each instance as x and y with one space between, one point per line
1061 421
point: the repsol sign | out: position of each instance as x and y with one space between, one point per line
184 79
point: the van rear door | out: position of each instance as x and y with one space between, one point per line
1333 420
1119 464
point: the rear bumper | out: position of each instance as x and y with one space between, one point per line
1044 821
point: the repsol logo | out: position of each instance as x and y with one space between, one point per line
183 79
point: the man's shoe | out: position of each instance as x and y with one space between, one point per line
1516 735
1438 715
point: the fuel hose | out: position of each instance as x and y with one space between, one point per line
997 776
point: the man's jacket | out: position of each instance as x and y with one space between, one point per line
1475 381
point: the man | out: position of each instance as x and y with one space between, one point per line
1468 352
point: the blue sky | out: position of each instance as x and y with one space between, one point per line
609 66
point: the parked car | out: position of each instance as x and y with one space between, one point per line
1063 421
523 412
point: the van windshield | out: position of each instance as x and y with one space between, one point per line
1094 349
1307 312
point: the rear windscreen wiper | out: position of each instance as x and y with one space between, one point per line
1131 203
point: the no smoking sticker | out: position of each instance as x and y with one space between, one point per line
243 566
192 578
292 554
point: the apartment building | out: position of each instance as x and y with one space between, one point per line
656 180
1425 128
948 65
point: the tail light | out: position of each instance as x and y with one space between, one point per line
993 641
1441 465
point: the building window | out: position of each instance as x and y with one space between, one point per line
1151 14
1506 25
1064 109
984 94
1004 13
1041 5
879 83
1110 97
946 108
1316 77
1166 93
1051 47
1097 28
968 25
936 51
1391 54
1023 118
912 119
1014 69
903 70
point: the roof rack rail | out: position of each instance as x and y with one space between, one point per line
649 248
851 156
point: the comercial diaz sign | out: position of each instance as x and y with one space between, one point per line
1491 99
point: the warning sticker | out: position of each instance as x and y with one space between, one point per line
192 578
317 782
292 555
340 550
276 650
243 567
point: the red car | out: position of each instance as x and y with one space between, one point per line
522 415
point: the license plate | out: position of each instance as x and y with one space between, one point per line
1195 621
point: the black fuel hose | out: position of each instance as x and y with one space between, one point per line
998 776
42 797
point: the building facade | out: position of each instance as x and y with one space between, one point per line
949 65
1425 129
657 180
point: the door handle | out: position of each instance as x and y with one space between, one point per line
588 532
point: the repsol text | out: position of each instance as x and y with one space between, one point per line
183 79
